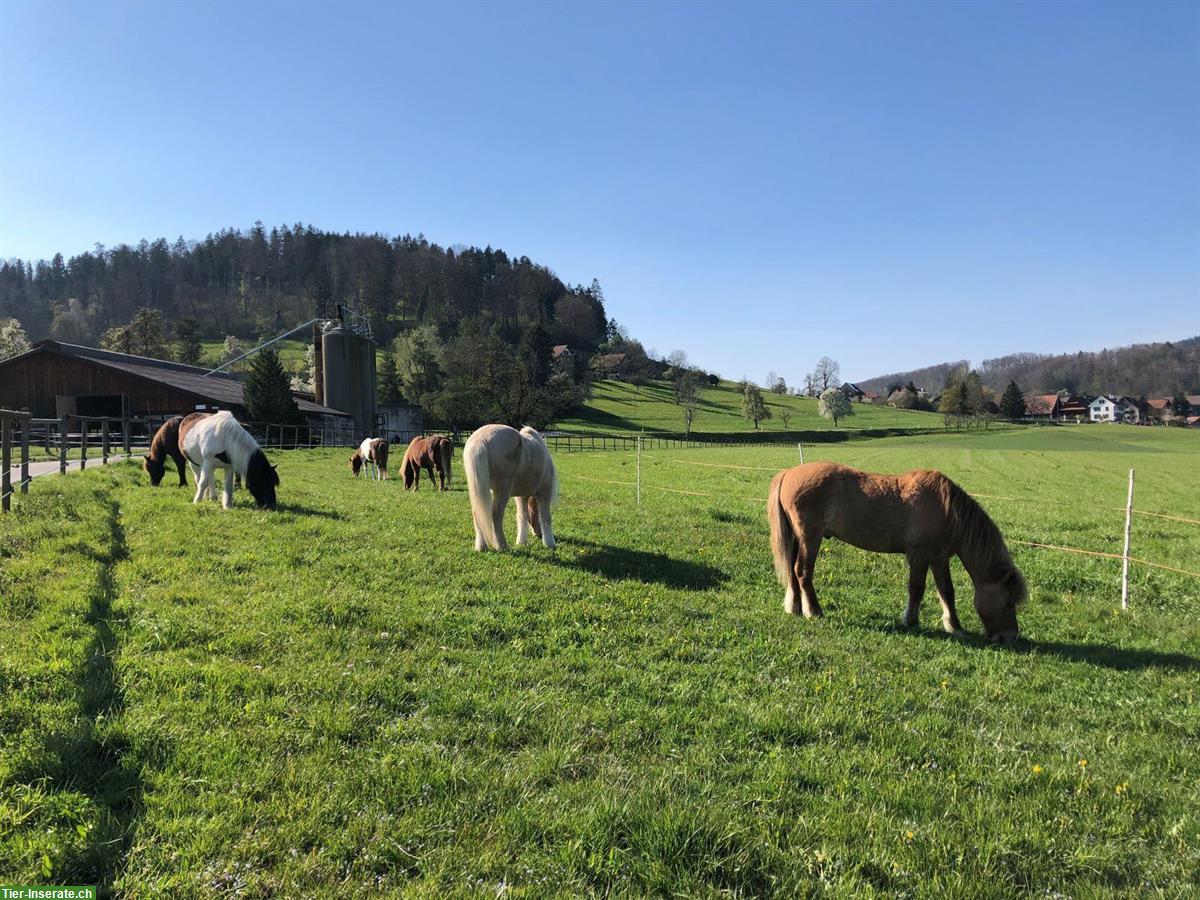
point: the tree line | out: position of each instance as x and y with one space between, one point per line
469 331
1152 370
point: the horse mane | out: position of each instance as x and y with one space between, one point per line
530 432
169 430
239 443
979 538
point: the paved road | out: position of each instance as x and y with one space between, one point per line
50 467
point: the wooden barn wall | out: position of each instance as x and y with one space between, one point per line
34 383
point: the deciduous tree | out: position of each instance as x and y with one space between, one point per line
834 405
753 407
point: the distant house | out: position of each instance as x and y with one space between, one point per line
560 351
1075 406
1131 410
398 422
609 364
1043 406
1159 408
872 398
1104 409
853 392
1193 421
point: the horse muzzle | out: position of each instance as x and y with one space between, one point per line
1004 637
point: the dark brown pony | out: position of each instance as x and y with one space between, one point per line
165 445
372 451
922 514
427 453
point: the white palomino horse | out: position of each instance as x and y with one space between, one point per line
210 441
502 462
372 453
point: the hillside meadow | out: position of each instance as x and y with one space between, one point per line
340 698
616 406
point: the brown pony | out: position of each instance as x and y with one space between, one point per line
427 453
165 445
372 452
922 514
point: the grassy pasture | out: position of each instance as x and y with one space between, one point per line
341 698
617 406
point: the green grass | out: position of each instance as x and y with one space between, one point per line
291 352
616 406
339 698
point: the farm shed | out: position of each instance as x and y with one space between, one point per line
54 379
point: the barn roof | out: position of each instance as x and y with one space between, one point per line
221 388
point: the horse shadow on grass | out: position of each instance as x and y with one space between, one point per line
87 755
300 509
624 564
1121 659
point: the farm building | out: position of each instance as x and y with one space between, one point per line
853 392
1043 406
53 379
1076 407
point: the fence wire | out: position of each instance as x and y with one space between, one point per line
1035 544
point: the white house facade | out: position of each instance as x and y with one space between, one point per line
1103 409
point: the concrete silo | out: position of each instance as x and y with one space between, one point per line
348 376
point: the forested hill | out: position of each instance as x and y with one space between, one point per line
261 281
1153 370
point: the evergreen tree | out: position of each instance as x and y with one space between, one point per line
189 348
1180 405
268 391
147 334
753 407
389 380
1012 404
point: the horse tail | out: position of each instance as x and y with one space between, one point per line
479 485
446 449
381 456
783 539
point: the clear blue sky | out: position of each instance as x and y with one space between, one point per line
891 184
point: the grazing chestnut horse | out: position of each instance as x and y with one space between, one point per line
427 453
165 445
373 453
217 440
922 514
502 462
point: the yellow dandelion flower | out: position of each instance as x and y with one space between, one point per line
908 835
1037 770
1083 764
945 684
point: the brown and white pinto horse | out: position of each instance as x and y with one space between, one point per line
373 453
164 446
427 453
210 441
922 514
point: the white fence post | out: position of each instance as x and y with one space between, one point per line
1125 554
800 447
639 471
